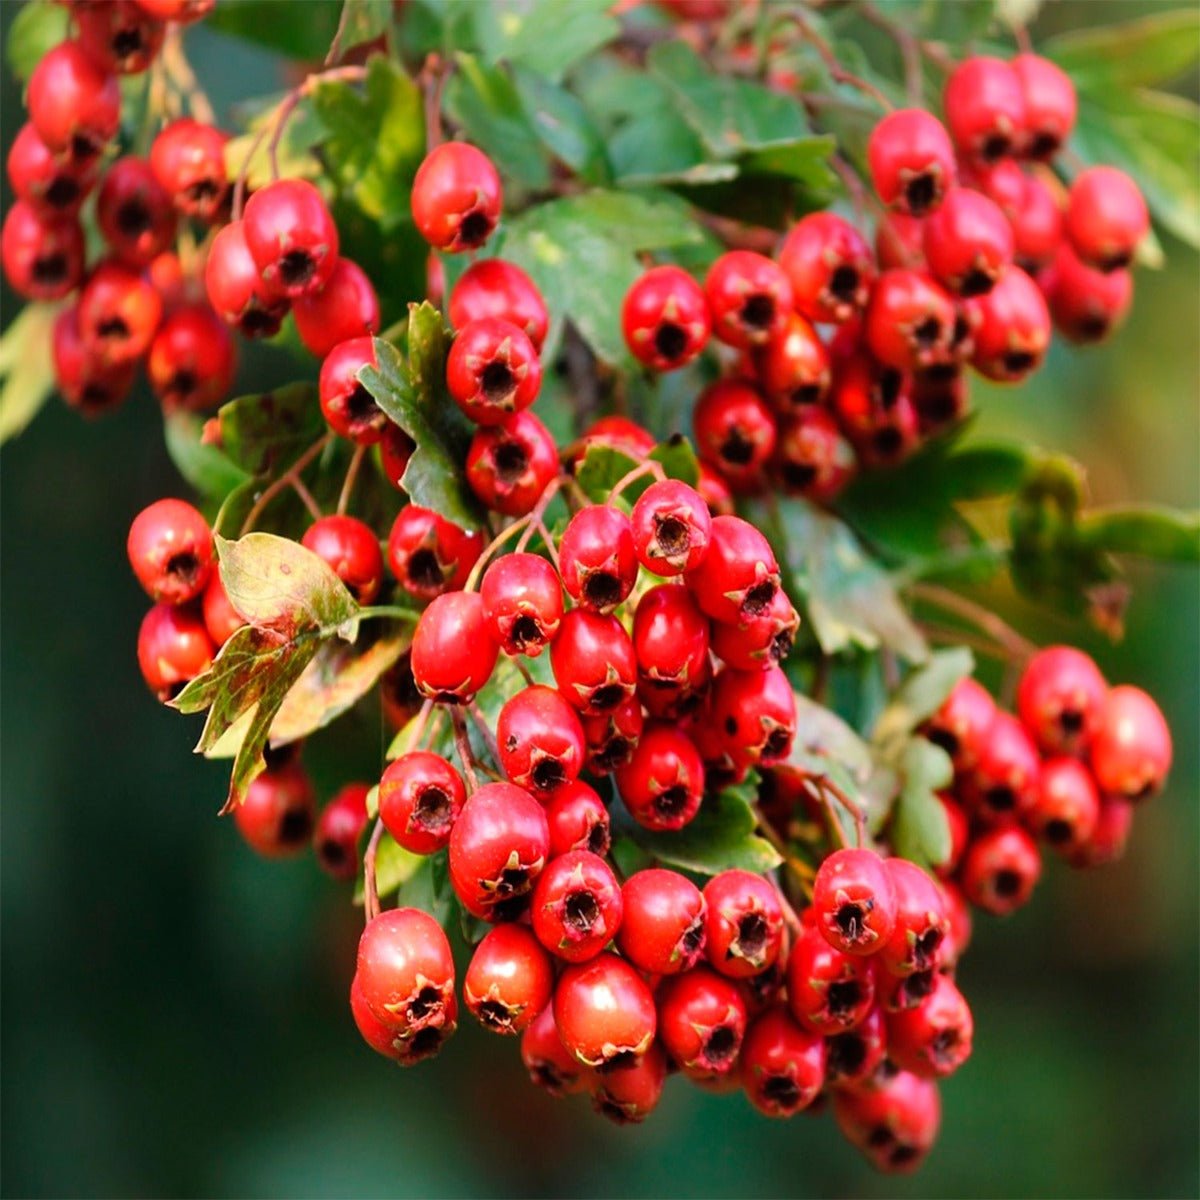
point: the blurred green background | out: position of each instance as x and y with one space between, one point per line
174 1017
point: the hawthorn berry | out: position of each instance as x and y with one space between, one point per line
396 449
188 160
235 288
670 637
714 491
340 825
1109 836
173 647
597 559
611 736
192 359
793 368
577 819
985 108
1067 807
783 1065
828 990
1106 218
510 465
619 433
119 313
1000 869
759 642
550 1064
1050 104
894 1123
291 236
540 740
855 1055
428 554
921 921
118 36
1011 328
493 370
961 725
453 651
911 160
278 812
1004 780
899 242
960 829
522 596
350 548
1130 751
854 901
940 400
576 907
605 1012
702 1019
347 405
382 1038
812 458
52 184
909 323
593 661
183 11
671 527
958 911
456 197
1087 305
662 784
830 267
874 407
420 798
74 105
676 701
345 307
735 431
627 1092
755 712
1037 226
663 928
85 384
134 211
170 549
665 318
743 923
968 242
494 288
749 298
1059 699
509 981
498 847
42 254
738 575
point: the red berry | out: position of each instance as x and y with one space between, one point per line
576 907
277 815
1012 328
456 197
510 980
522 595
985 108
497 289
627 1092
828 990
760 642
665 318
593 661
192 359
854 901
52 184
540 740
1004 780
493 371
619 433
793 368
118 36
1086 305
183 11
671 527
291 236
662 784
221 619
604 1011
420 798
396 448
941 400
170 549
1037 226
235 288
899 242
812 458
1000 869
612 736
1067 806
783 1065
755 712
894 1124
74 105
921 921
549 1063
676 701
346 403
960 829
743 926
453 651
911 161
1059 699
1049 104
86 384
134 211
344 307
874 407
910 321
735 431
429 555
749 297
738 575
509 466
830 267
380 1037
959 937
714 491
188 160
1131 748
662 931
119 314
173 647
968 242
1107 843
1106 218
498 848
578 820
597 559
42 254
701 1022
670 637
962 723
351 549
854 1056
340 825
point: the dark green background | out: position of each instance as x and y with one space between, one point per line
174 1015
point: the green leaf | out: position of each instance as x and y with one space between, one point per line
1149 50
547 36
376 139
564 126
36 29
263 434
395 868
305 35
678 460
659 147
364 21
26 367
920 831
582 252
1149 531
206 468
719 838
293 152
603 467
413 394
921 695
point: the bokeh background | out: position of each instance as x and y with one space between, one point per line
173 1009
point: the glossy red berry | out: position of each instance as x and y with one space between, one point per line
420 798
344 307
960 726
1050 104
921 921
627 1092
1067 806
134 211
236 290
42 254
509 981
346 403
671 527
188 160
597 559
493 370
53 184
396 449
853 1057
381 1038
743 925
85 384
498 848
1087 305
662 931
676 701
738 575
118 35
749 298
509 466
735 432
183 11
1000 869
1004 781
959 938
522 595
793 369
494 288
759 642
714 491
702 1019
593 661
340 825
828 990
428 554
278 812
604 1011
854 901
171 551
173 647
1037 227
576 907
670 637
1107 843
620 433
665 318
910 321
874 407
74 105
960 827
1106 218
612 736
192 360
783 1065
349 546
894 1124
550 1064
985 108
578 820
899 242
1011 328
453 651
830 267
812 459
540 740
968 242
662 784
291 236
1131 748
456 197
755 712
1059 699
221 619
911 161
119 314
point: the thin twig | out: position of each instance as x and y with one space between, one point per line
481 726
975 614
370 888
351 476
462 743
833 64
285 480
950 635
803 873
856 810
309 501
181 74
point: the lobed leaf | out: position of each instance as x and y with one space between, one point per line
920 696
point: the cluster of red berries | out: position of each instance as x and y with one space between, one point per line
977 254
1068 770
